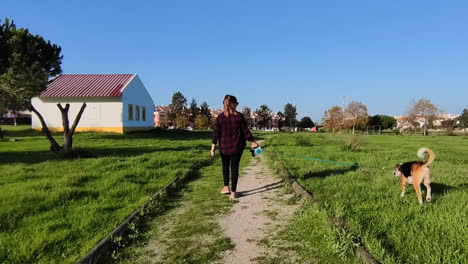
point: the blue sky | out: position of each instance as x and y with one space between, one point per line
308 53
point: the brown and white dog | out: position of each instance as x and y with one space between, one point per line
416 172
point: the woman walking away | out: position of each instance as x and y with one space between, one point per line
231 132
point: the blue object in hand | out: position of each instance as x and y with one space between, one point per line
256 151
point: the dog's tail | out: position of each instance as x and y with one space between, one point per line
429 152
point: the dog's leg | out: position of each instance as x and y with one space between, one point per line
417 188
403 185
427 183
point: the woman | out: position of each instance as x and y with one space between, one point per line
231 132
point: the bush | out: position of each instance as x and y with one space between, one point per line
303 140
354 143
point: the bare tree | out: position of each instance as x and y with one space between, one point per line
422 109
333 118
356 114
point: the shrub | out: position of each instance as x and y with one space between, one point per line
303 140
354 143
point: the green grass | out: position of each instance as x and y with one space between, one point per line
54 210
363 205
189 231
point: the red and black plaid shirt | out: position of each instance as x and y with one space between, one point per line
231 132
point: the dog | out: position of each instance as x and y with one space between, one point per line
416 172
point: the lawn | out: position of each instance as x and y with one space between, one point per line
363 205
54 210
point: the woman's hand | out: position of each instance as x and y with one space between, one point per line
254 144
213 148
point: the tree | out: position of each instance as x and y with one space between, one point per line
177 109
449 125
201 122
422 109
463 120
385 121
27 63
306 122
247 113
290 115
205 111
333 118
280 120
193 110
264 116
355 115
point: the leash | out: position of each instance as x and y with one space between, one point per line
329 161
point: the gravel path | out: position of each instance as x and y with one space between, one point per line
262 209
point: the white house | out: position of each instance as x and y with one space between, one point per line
115 103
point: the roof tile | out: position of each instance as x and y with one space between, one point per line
87 85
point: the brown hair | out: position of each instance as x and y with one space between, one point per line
229 105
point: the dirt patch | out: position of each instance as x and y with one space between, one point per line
260 211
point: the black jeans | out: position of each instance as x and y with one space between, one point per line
232 161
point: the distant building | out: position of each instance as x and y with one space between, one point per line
115 103
161 118
9 117
405 123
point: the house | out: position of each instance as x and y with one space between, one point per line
161 118
115 103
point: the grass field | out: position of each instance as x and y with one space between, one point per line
363 205
54 210
189 232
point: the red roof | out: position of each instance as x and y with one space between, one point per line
87 85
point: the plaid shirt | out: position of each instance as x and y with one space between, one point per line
231 132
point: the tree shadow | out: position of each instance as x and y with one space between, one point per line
13 132
329 172
32 157
174 134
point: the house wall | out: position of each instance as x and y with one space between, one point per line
160 119
100 114
136 94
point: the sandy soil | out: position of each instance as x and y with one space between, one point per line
262 209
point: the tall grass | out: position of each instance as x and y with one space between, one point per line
394 229
54 210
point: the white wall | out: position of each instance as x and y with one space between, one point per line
135 93
99 112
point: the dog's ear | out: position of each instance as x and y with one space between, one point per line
397 165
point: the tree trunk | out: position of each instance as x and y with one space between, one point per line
424 127
14 119
54 146
1 132
353 129
67 131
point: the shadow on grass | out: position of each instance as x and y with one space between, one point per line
32 157
326 173
439 188
20 131
157 134
265 188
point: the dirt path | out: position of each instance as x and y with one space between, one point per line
261 209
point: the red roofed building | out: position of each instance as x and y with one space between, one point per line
115 102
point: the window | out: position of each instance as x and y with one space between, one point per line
143 113
137 113
130 112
